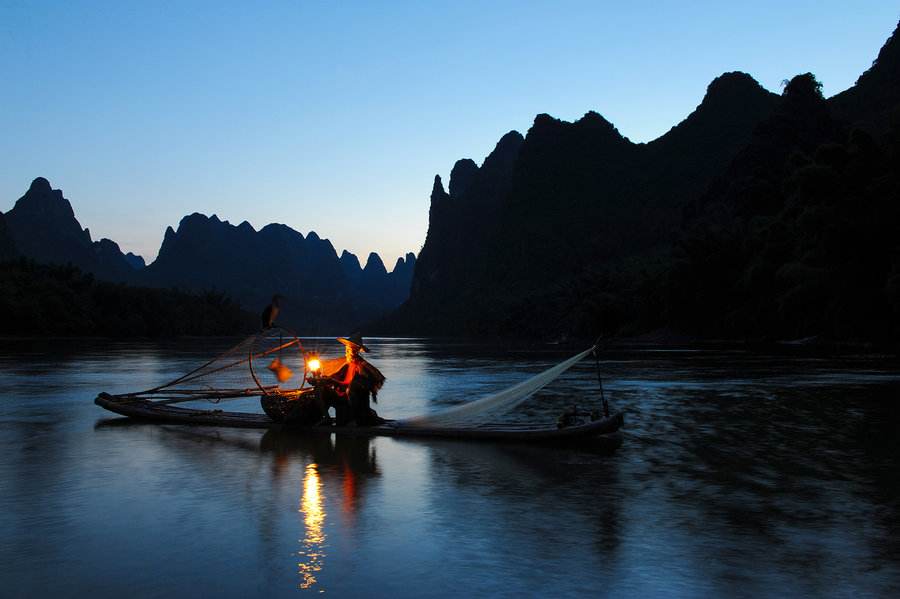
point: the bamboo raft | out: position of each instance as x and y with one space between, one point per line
604 432
240 372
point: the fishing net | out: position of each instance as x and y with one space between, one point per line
482 410
274 363
271 362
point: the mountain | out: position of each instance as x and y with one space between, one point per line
44 228
386 290
798 238
872 102
400 279
458 223
758 216
136 262
350 267
683 162
322 293
551 208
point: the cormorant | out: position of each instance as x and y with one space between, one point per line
271 312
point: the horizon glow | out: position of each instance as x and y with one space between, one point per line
335 119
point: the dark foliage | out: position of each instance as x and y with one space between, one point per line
7 245
63 301
800 237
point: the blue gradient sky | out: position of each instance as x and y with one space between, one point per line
334 117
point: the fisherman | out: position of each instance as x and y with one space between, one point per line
355 382
269 315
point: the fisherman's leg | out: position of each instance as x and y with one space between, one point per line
343 414
321 402
362 410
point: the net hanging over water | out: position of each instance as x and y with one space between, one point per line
480 410
269 362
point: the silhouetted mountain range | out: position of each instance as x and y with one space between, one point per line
134 261
568 197
575 230
43 227
322 293
760 216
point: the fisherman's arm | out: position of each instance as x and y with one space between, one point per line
343 377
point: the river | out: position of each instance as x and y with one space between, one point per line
740 475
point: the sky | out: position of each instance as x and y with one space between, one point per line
334 117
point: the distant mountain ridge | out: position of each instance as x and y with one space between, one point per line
43 227
322 293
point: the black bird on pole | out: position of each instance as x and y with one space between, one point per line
271 312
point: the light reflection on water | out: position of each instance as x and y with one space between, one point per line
741 475
312 553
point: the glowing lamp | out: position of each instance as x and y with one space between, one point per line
314 365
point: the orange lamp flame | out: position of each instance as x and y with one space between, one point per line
314 365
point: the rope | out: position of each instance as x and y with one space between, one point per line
600 379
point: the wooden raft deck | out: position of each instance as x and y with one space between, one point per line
605 430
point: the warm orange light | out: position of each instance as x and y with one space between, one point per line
280 370
314 365
312 553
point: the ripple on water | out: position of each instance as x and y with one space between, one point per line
741 474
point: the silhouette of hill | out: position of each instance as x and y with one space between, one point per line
727 225
350 267
798 239
134 261
207 253
458 226
384 290
44 228
322 293
550 208
400 280
871 104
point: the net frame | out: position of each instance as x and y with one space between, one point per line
237 362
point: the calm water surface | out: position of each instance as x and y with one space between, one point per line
740 475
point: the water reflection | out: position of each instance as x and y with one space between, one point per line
344 463
312 552
348 461
741 475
